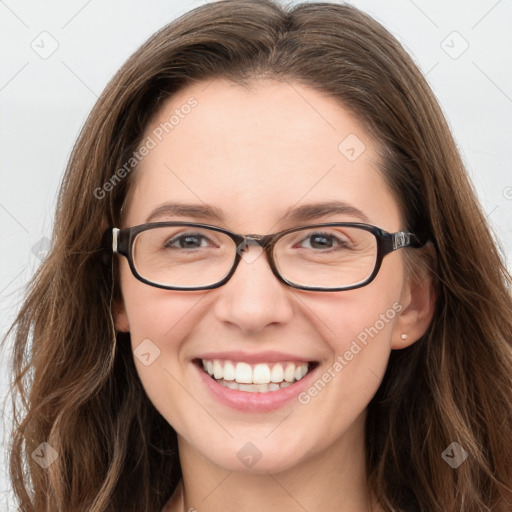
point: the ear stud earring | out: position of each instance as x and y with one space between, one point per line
404 336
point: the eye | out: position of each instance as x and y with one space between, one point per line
187 241
324 241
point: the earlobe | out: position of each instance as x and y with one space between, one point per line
122 323
418 300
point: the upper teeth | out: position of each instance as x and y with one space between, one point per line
261 373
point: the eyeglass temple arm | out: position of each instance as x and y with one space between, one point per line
404 239
115 240
112 243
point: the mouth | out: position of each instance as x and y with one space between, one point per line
255 378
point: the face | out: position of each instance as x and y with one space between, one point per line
254 155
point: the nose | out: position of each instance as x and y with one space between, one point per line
253 298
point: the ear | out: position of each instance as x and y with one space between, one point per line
418 302
121 317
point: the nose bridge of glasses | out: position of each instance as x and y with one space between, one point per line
261 241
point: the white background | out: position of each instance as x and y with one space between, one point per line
44 102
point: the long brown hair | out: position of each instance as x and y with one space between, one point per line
75 386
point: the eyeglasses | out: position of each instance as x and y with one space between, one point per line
321 257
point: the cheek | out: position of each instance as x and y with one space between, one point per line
357 316
160 322
366 316
152 312
357 328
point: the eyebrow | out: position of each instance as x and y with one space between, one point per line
196 211
312 211
302 213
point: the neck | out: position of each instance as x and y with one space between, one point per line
332 479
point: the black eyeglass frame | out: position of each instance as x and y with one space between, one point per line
120 241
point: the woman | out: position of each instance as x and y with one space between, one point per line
271 286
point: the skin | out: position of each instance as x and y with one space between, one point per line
254 153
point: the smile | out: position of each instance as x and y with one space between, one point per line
255 378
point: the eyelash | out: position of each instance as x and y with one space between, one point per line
168 244
339 242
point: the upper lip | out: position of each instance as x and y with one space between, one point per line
256 357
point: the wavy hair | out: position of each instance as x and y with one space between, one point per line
75 385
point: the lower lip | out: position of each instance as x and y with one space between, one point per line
254 402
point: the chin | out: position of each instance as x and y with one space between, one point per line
256 456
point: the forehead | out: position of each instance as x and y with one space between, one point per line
256 152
